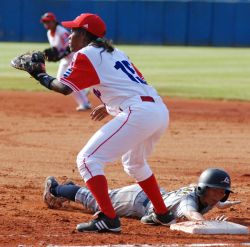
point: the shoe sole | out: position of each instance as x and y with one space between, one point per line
115 230
47 185
151 224
100 231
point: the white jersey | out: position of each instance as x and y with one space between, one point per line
59 38
115 80
131 201
140 119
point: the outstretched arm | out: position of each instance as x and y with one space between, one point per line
34 64
227 204
53 84
193 215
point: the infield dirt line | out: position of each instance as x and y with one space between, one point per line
145 245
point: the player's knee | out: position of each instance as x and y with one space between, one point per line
89 166
80 160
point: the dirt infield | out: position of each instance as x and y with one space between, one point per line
41 134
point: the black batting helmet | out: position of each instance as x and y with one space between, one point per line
214 178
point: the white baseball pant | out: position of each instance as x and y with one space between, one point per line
132 134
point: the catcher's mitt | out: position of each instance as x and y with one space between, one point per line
32 62
52 54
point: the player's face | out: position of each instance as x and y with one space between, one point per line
213 196
49 25
76 40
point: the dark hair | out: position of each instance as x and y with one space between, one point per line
98 42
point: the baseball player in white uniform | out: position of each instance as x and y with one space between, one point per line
190 202
140 118
58 39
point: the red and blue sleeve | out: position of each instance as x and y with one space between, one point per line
81 74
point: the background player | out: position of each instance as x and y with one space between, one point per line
58 38
191 202
140 117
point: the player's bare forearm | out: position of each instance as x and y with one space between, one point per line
227 204
60 88
193 215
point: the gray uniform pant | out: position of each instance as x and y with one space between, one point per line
129 201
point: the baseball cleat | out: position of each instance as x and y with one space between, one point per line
101 224
159 219
49 199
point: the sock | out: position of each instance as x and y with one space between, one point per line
99 188
151 188
67 191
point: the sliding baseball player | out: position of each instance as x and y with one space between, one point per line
191 202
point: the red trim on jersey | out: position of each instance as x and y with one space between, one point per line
138 72
69 84
64 39
83 74
84 161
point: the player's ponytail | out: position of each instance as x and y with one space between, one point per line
104 43
98 42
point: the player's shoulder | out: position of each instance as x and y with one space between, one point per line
184 193
87 51
93 52
81 56
61 30
189 198
97 54
94 49
120 53
186 190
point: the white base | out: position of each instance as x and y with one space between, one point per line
210 227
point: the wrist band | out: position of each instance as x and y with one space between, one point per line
45 80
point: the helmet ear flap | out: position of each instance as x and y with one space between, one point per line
201 190
227 193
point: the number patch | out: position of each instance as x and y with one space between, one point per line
128 69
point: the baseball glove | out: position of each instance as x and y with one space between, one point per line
32 62
52 54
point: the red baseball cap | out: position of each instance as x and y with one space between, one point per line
91 22
48 17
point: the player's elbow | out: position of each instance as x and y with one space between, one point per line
67 92
63 89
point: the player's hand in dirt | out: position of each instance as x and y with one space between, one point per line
220 218
99 113
227 204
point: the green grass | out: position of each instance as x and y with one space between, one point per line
187 72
